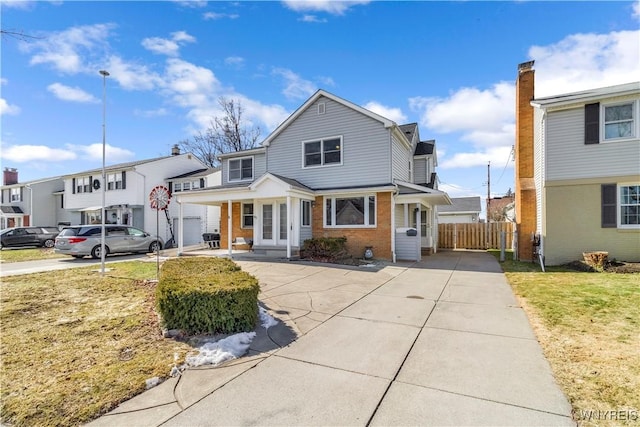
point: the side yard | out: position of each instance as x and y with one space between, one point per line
589 327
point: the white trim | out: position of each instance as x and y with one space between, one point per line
366 212
321 141
242 153
619 207
635 117
240 159
242 215
302 204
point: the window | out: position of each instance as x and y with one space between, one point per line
629 205
247 215
350 211
114 181
186 186
306 213
241 169
16 195
83 185
619 121
177 187
322 152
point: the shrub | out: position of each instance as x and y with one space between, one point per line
207 295
325 249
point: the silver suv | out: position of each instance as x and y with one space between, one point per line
85 240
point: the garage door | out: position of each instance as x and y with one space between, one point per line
192 231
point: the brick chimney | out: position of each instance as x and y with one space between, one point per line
10 176
525 185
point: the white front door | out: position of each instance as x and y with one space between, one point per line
274 224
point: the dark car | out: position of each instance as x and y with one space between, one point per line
28 236
86 240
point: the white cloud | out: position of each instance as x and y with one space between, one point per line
8 109
636 9
31 153
18 4
159 112
327 81
295 86
495 155
335 7
312 18
212 16
169 47
67 51
391 113
192 3
73 94
132 76
190 85
234 61
93 152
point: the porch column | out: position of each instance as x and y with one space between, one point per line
418 227
289 227
393 228
180 230
229 227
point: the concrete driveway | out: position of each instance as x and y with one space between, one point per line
440 342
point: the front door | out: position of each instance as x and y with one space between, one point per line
274 224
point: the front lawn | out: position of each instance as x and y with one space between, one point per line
589 327
75 344
28 254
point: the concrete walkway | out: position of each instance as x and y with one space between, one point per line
440 342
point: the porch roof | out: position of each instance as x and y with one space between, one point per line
12 210
412 193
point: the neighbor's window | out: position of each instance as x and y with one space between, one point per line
629 205
114 181
350 211
186 186
247 215
177 187
327 151
306 213
83 185
619 121
16 195
241 169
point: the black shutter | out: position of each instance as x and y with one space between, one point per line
124 180
609 208
73 186
2 196
170 187
592 123
201 182
22 194
91 184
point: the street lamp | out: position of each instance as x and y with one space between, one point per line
104 177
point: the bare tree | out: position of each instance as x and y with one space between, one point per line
20 35
225 134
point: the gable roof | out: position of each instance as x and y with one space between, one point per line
462 204
587 95
195 173
322 93
409 130
126 165
425 147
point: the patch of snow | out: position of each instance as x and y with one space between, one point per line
152 382
266 320
214 353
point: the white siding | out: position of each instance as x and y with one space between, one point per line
400 156
259 166
538 165
569 158
365 151
420 171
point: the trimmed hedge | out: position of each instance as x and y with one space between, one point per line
207 295
325 249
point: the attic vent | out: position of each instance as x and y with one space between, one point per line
321 108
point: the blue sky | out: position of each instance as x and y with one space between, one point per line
450 66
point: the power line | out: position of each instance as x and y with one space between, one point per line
506 164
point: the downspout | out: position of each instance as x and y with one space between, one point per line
289 231
393 223
229 230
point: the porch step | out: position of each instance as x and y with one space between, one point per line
276 251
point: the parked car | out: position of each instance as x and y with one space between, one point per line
28 236
85 240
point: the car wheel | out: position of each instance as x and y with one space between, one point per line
49 243
95 252
155 246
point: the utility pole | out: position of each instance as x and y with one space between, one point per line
488 190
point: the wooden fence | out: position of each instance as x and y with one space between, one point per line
474 235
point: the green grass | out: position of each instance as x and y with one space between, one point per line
30 254
589 327
75 344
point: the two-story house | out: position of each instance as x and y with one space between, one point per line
579 163
127 196
28 203
331 169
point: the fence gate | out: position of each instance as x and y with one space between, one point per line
474 235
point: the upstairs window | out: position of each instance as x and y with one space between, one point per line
241 169
322 152
16 195
619 121
83 185
115 181
177 187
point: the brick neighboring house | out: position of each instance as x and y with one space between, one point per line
577 171
331 169
501 208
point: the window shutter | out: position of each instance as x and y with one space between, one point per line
2 196
170 187
22 194
201 182
91 185
609 208
73 186
124 180
592 123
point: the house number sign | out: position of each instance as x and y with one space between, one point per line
159 197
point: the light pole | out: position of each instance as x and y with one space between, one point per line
104 177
